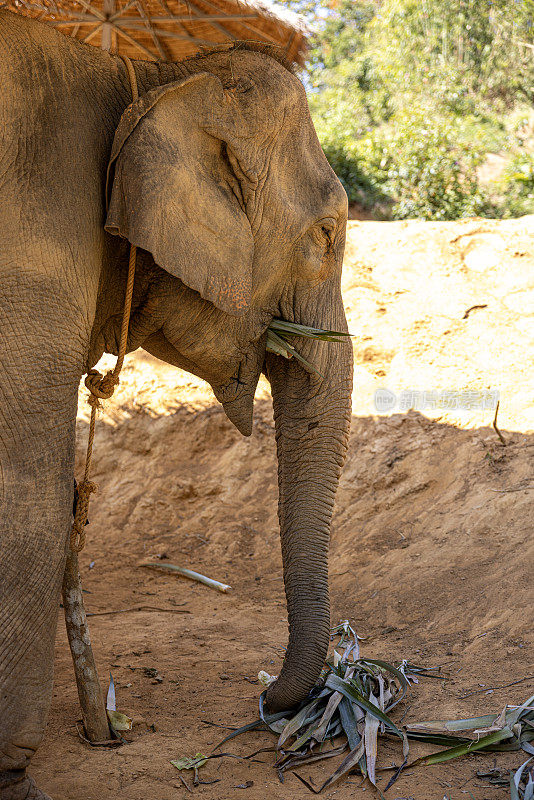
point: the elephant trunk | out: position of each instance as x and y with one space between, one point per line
312 418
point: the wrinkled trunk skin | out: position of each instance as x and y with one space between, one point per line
312 418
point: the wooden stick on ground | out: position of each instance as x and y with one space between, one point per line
188 573
497 431
95 718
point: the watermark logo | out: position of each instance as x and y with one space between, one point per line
385 400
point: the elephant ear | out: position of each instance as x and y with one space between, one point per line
171 189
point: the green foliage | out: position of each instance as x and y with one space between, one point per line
408 95
430 176
362 179
411 169
518 186
480 45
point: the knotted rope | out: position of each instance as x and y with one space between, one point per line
103 387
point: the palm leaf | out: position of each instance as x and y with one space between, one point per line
280 331
350 705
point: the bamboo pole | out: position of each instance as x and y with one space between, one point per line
108 8
146 19
95 718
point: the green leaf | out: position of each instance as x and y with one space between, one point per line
514 791
339 685
348 720
394 671
468 724
465 749
515 715
195 762
299 759
346 765
371 744
252 726
436 738
118 721
269 720
308 733
296 722
295 329
276 345
515 780
320 729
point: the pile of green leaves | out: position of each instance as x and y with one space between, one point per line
350 708
280 334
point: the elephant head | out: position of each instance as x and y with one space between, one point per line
220 180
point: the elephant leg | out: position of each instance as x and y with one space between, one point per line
36 490
19 786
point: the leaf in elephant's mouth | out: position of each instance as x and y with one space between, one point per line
280 332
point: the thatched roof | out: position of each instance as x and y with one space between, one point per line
169 30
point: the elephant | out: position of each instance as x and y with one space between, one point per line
215 173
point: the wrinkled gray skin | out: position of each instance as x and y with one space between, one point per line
219 177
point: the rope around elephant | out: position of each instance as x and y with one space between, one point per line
103 387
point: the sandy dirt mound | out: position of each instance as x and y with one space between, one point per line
432 546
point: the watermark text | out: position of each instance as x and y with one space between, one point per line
385 400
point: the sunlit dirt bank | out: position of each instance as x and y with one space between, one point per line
432 549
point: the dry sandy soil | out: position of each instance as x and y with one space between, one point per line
432 549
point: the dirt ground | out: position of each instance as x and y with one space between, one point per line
432 546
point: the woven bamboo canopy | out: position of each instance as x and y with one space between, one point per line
169 30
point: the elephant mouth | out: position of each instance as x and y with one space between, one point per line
237 395
236 390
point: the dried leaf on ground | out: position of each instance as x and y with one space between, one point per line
193 762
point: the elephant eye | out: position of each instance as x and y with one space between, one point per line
328 234
328 227
323 233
